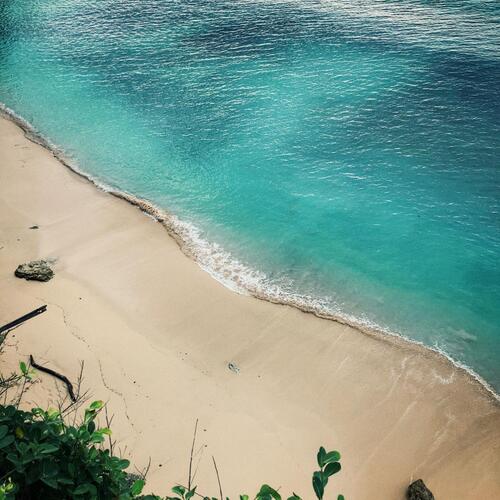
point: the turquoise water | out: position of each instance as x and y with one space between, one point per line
343 155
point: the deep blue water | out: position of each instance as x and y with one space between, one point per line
341 154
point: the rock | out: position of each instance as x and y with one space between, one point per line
38 270
233 368
34 227
418 491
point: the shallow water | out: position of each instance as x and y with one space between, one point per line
340 154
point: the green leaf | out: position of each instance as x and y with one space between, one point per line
332 456
10 411
37 412
340 497
318 487
332 468
244 497
190 493
52 414
85 488
50 482
23 367
13 457
92 490
179 490
8 487
65 480
96 405
99 438
321 456
123 464
6 441
47 448
80 490
3 431
267 491
294 497
137 487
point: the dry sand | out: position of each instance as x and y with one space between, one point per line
157 333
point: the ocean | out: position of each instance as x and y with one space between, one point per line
341 156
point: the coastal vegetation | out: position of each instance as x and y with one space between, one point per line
64 453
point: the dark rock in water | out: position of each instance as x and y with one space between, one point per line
418 491
38 270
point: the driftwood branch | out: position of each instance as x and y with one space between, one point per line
190 477
22 319
62 378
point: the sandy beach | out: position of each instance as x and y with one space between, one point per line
157 333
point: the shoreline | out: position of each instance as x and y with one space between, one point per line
157 333
174 227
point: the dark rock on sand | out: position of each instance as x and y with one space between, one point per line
418 491
38 270
234 368
34 227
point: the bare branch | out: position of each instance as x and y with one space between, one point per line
191 455
109 421
144 472
79 380
218 478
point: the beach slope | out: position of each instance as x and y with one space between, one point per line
157 334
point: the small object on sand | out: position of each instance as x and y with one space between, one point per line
418 491
233 368
34 227
38 270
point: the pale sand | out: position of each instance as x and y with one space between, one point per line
157 333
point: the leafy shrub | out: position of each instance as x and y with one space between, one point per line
43 458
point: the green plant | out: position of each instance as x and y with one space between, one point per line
42 457
329 463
